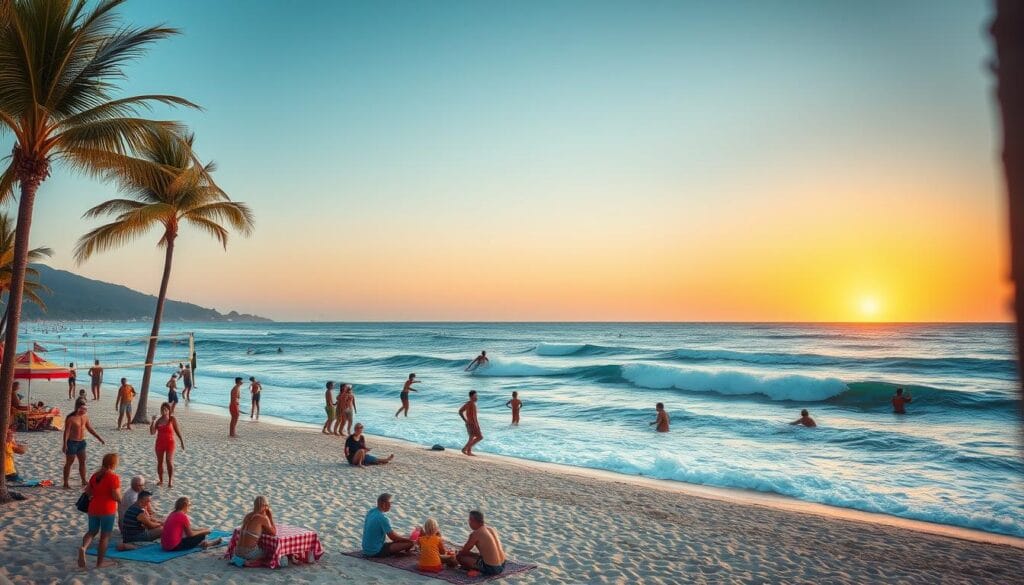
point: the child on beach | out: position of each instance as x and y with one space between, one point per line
433 556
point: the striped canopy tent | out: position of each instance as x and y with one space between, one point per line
30 366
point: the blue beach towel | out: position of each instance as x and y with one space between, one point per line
153 553
27 483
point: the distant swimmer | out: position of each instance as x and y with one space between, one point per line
662 420
480 360
279 350
805 419
468 414
900 401
515 404
250 351
405 394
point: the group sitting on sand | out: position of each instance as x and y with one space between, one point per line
381 540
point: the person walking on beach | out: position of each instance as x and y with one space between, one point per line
805 420
900 400
95 379
123 403
104 489
72 375
233 405
75 427
404 396
186 381
515 404
172 392
478 361
468 415
491 558
347 408
254 389
165 428
661 420
329 409
377 530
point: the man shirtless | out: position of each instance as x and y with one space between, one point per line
233 406
900 401
805 419
661 420
72 375
186 380
95 379
491 558
329 409
255 388
75 427
468 415
515 404
123 404
346 410
479 361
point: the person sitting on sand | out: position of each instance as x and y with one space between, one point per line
357 453
491 558
805 419
661 420
136 487
377 530
172 392
329 409
16 405
900 400
468 415
140 524
404 396
515 404
479 361
254 389
75 427
104 490
433 556
178 533
123 403
260 521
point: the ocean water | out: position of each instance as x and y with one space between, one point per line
589 392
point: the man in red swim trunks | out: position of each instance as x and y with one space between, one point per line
236 396
900 401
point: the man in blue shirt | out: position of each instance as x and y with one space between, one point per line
377 529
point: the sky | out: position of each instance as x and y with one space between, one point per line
563 161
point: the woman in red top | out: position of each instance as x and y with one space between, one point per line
105 491
165 428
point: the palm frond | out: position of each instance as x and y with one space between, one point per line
127 227
210 227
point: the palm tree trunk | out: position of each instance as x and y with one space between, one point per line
20 264
1008 34
140 409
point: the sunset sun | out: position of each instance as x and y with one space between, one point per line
869 308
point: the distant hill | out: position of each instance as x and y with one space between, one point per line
76 298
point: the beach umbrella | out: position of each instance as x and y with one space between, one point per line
31 366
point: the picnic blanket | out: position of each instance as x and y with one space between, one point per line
31 483
154 553
458 576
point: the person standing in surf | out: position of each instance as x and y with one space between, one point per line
329 409
346 410
515 404
255 388
661 420
468 415
186 381
478 362
900 400
805 420
233 406
405 395
95 379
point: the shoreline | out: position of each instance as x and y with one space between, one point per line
723 494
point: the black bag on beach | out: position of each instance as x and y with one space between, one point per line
83 502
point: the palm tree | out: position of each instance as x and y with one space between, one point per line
166 187
60 63
32 287
1008 34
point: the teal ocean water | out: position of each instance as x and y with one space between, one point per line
589 391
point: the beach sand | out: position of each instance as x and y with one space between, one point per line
578 528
